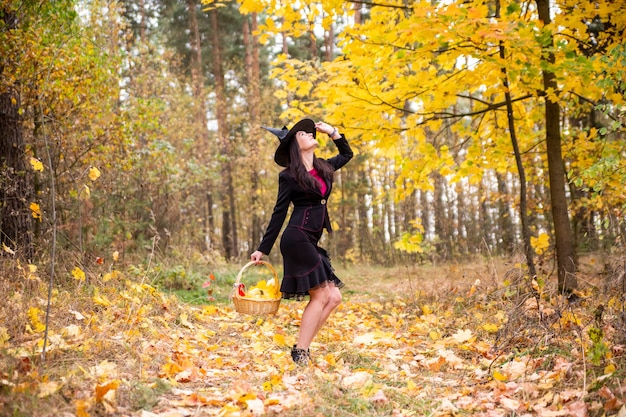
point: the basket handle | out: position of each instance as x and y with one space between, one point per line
249 264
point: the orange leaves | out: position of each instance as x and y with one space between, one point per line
612 402
35 210
106 391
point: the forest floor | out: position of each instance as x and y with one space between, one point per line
475 339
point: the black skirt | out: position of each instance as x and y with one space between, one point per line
306 265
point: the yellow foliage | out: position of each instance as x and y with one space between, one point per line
36 164
279 339
568 319
264 290
609 369
35 211
540 243
78 274
94 173
4 336
100 299
7 249
35 322
500 376
490 327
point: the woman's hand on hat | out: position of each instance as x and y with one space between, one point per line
328 129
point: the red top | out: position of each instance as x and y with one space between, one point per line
319 179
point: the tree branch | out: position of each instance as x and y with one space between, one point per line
594 104
370 3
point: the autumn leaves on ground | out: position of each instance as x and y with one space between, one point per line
475 339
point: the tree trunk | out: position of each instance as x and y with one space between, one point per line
227 195
442 225
284 44
485 219
463 219
425 214
362 218
523 207
505 224
329 43
200 114
253 75
565 254
16 190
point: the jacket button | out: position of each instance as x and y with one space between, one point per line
323 201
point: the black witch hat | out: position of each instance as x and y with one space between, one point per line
281 157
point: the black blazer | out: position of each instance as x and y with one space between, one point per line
309 206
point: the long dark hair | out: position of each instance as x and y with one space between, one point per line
298 171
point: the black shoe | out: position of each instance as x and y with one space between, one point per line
300 356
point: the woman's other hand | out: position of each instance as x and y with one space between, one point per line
256 256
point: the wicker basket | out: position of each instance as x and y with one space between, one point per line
251 305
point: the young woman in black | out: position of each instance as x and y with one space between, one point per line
306 182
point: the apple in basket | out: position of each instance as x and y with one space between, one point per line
241 290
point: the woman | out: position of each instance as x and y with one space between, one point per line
306 182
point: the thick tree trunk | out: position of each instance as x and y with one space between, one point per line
15 187
556 170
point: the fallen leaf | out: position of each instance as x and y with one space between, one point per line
77 315
462 336
577 409
500 376
357 380
379 398
183 319
103 389
36 164
255 406
375 338
509 403
94 173
8 249
82 408
47 388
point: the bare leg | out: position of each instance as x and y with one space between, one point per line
333 303
323 301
